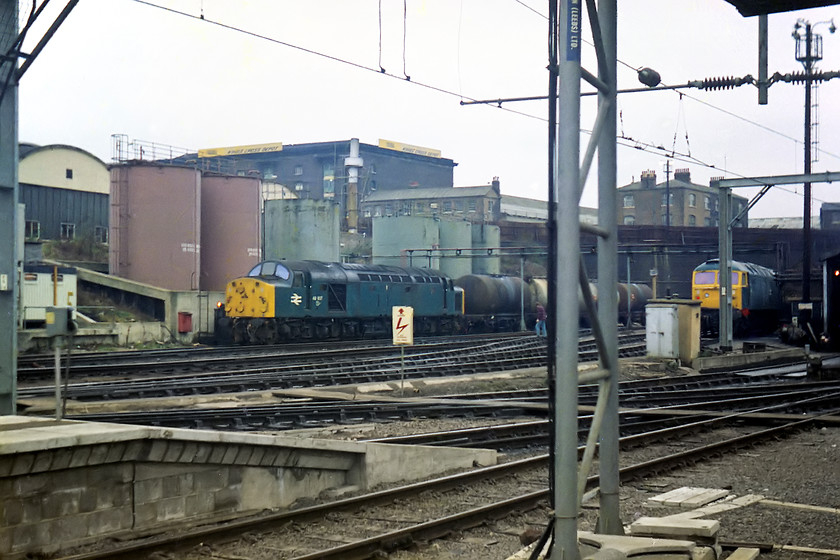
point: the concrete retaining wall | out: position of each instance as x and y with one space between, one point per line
65 484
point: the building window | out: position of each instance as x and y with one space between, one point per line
421 207
33 229
692 220
100 233
692 200
664 199
298 186
68 173
664 219
367 213
447 206
629 202
707 203
377 211
629 220
68 231
707 221
406 208
459 205
298 170
389 210
471 206
329 180
491 205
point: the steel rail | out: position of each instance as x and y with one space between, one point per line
363 549
333 370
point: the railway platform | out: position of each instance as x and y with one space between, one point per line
68 483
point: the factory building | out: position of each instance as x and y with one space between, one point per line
65 191
345 171
472 204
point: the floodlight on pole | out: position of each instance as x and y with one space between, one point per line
808 52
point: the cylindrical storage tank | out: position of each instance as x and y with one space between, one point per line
486 236
455 235
489 295
392 235
623 295
539 287
640 294
230 250
299 230
155 225
481 294
510 295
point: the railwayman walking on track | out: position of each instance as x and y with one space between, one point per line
540 326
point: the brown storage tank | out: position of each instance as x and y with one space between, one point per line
230 233
155 225
487 295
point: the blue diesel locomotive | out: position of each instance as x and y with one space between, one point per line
756 297
309 300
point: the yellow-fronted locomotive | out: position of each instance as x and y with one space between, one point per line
756 297
310 300
280 301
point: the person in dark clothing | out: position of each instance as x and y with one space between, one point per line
541 317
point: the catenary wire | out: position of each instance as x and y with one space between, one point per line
706 103
637 144
333 58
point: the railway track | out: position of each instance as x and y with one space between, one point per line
371 524
335 367
789 396
173 361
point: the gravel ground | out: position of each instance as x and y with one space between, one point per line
802 469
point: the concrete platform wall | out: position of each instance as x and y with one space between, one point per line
66 484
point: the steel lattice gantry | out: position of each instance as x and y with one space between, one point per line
567 176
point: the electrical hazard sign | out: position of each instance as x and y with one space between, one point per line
402 323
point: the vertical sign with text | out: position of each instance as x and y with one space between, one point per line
573 31
402 323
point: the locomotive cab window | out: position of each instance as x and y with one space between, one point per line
707 277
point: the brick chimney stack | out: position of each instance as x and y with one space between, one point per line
683 175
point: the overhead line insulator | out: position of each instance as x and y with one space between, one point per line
725 82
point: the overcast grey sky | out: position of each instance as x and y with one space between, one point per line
121 66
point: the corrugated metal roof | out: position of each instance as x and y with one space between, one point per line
422 193
782 223
756 7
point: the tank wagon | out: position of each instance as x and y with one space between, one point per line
496 303
281 301
311 300
756 297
